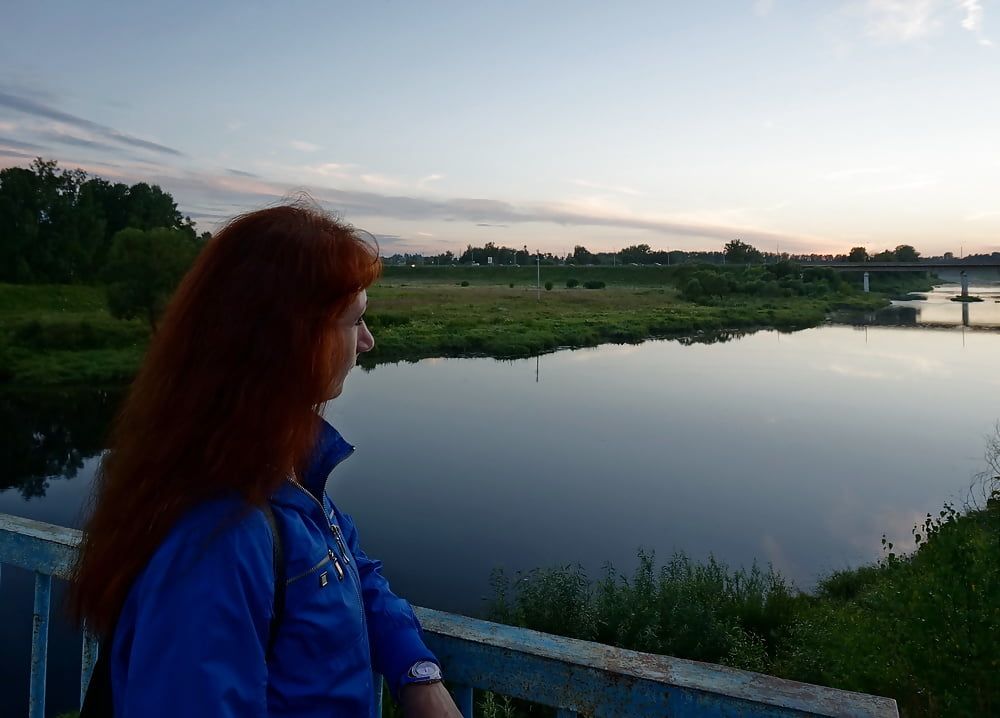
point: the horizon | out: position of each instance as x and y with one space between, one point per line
810 127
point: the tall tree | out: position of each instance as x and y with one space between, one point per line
739 252
144 268
857 254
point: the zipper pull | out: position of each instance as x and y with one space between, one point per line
336 564
340 542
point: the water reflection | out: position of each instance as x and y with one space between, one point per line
936 309
48 434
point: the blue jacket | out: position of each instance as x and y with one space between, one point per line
192 634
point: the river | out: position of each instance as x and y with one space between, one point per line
795 449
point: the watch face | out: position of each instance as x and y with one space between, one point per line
425 671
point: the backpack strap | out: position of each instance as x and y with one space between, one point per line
279 580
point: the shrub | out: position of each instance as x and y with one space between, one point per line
465 282
548 286
570 283
693 289
511 285
593 284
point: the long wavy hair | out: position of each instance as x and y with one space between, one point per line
226 397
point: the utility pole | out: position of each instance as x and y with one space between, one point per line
538 276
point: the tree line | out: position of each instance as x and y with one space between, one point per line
60 226
736 251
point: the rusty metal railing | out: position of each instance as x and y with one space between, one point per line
575 677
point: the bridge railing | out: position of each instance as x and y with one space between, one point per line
575 677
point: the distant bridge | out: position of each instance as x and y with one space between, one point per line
961 266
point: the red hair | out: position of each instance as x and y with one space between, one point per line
226 397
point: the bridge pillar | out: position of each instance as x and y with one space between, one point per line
965 283
867 287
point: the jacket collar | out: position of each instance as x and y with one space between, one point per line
330 450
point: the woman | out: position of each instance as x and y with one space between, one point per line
219 458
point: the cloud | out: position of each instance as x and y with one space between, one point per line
973 20
304 146
241 173
67 138
15 154
900 20
35 108
20 144
763 8
429 178
608 188
377 180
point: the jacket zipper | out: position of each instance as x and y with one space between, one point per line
356 577
340 543
331 556
321 564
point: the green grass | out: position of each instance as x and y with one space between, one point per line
63 334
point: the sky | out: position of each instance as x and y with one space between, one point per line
805 126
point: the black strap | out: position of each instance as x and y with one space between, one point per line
279 580
98 701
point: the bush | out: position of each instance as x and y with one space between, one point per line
693 289
593 284
548 286
511 285
465 282
570 283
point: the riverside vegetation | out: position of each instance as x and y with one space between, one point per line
922 627
65 334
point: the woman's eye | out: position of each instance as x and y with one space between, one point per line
361 320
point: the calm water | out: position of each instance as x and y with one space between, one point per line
796 449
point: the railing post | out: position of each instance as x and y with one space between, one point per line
463 699
39 645
90 650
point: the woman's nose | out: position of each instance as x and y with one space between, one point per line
365 340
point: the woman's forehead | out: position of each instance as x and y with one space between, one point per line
360 301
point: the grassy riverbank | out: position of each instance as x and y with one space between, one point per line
923 628
63 334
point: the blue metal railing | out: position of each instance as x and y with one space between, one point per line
575 677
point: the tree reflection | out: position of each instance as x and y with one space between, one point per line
719 336
48 434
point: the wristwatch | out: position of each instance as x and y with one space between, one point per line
424 672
